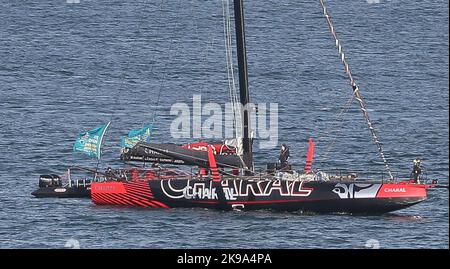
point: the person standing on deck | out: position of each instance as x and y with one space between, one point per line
284 156
417 170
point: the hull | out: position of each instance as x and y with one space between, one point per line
269 194
63 192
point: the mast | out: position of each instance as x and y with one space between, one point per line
243 82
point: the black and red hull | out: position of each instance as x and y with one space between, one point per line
261 194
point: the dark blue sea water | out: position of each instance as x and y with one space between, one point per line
65 68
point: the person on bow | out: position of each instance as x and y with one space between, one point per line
417 170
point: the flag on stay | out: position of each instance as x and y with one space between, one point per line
136 136
90 142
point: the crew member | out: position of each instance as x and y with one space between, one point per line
417 170
284 156
156 165
109 173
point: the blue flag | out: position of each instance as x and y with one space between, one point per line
91 141
136 136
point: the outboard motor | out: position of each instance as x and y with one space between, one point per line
46 181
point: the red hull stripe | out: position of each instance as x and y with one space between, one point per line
106 199
139 203
138 188
126 198
132 197
140 197
160 204
142 194
97 199
102 200
119 200
136 193
150 204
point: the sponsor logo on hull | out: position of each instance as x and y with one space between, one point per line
391 190
233 189
388 190
108 187
394 190
354 190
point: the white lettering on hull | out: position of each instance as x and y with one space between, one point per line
233 189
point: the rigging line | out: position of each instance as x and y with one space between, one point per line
338 129
123 76
235 103
356 91
132 49
196 28
226 40
226 21
163 79
153 66
230 49
140 22
230 66
209 44
337 125
151 71
164 76
338 119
